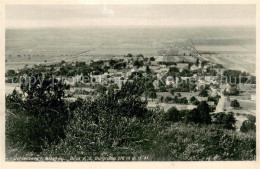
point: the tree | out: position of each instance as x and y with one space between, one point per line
140 56
183 100
227 121
162 89
168 99
192 99
138 63
251 118
162 99
129 55
186 72
174 70
204 111
235 104
152 59
192 116
248 126
152 94
197 62
101 89
232 92
203 93
172 91
148 70
10 73
41 116
173 115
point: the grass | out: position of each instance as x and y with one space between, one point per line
176 142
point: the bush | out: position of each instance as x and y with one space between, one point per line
111 122
248 126
40 115
203 93
251 118
235 104
192 99
204 111
168 99
173 115
227 121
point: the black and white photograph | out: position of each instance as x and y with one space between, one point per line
129 82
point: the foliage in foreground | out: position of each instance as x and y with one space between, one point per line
172 142
118 126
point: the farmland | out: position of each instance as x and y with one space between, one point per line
27 46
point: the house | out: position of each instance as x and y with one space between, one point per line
106 62
162 66
210 103
156 84
128 73
153 68
214 93
133 69
164 70
199 98
157 71
191 106
112 70
194 67
152 105
210 79
143 69
185 78
182 66
253 97
226 87
206 67
154 63
169 80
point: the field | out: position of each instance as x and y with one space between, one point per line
243 62
35 46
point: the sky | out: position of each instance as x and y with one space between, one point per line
38 16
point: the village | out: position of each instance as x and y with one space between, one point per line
180 81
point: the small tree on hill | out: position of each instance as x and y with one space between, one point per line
235 104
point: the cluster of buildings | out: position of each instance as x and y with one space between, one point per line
156 67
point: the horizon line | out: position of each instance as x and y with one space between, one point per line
134 26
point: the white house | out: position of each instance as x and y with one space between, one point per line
210 103
112 70
194 67
182 66
253 97
156 84
185 78
169 80
142 68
